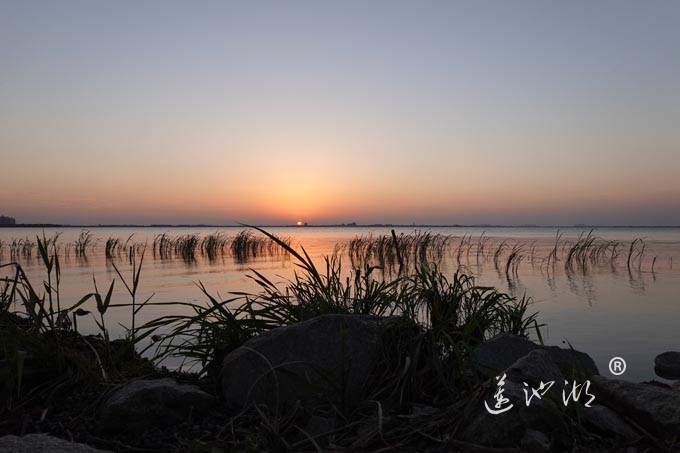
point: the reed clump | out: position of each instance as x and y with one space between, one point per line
247 245
84 243
386 251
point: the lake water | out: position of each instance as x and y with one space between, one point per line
607 311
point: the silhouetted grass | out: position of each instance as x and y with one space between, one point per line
84 243
459 313
514 260
214 245
386 251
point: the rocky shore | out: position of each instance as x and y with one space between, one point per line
320 385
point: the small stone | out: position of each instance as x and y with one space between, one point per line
667 365
43 443
141 404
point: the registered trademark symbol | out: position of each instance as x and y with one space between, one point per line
617 366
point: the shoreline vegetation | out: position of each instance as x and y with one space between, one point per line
395 253
362 360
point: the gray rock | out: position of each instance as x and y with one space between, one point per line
609 422
535 367
507 429
535 441
42 443
653 407
667 365
498 353
144 403
329 356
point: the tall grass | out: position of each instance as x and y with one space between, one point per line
84 243
514 260
457 312
185 246
214 245
405 251
247 245
115 247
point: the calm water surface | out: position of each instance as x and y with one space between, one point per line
607 311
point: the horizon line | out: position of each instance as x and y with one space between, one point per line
335 225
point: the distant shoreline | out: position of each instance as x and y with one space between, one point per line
375 225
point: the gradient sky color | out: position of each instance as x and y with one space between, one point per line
441 112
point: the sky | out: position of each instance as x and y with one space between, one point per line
272 112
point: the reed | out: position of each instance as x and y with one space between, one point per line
132 285
185 246
498 253
247 245
481 245
21 248
405 251
214 245
112 248
162 246
84 243
514 260
552 256
636 252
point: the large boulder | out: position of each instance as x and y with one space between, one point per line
159 402
667 365
327 357
497 354
653 407
42 443
508 429
535 367
521 424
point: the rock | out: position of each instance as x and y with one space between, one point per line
609 422
498 353
667 365
535 367
327 357
653 407
522 424
144 403
42 443
508 428
535 441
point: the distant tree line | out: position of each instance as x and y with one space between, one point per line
4 220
